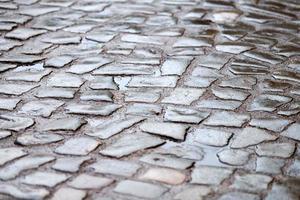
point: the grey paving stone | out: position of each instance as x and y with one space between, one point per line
234 157
170 161
269 165
183 96
5 134
192 42
271 124
36 138
62 124
239 195
58 61
97 95
88 64
15 123
234 47
251 182
173 130
11 153
175 66
144 110
65 80
140 189
79 146
48 179
69 193
251 136
88 109
226 93
219 104
29 162
239 82
281 192
86 181
164 175
292 132
52 92
128 144
41 108
9 103
210 137
15 89
187 115
225 118
294 169
165 81
24 192
210 175
268 102
112 127
69 164
193 193
115 167
282 150
147 96
24 33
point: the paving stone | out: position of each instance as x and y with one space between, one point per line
61 38
165 175
141 39
294 169
269 165
15 89
69 164
226 93
271 124
115 167
103 82
175 66
87 109
29 162
287 75
24 33
8 104
182 150
140 189
20 58
234 157
147 96
14 123
268 102
48 179
85 181
41 108
79 146
51 92
251 136
239 82
193 193
69 194
251 182
234 47
239 195
4 134
24 192
219 104
187 115
192 42
11 153
91 95
227 119
144 110
213 60
175 131
30 139
31 74
210 175
88 64
128 144
112 127
124 69
170 161
63 124
282 150
292 132
37 10
199 82
7 45
65 80
58 61
153 82
210 137
281 192
183 96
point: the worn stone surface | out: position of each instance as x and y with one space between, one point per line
161 99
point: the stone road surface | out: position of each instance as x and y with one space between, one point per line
150 99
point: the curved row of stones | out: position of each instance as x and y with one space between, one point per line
162 99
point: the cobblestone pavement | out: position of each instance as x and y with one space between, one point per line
161 99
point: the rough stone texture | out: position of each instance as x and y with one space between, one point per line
161 99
